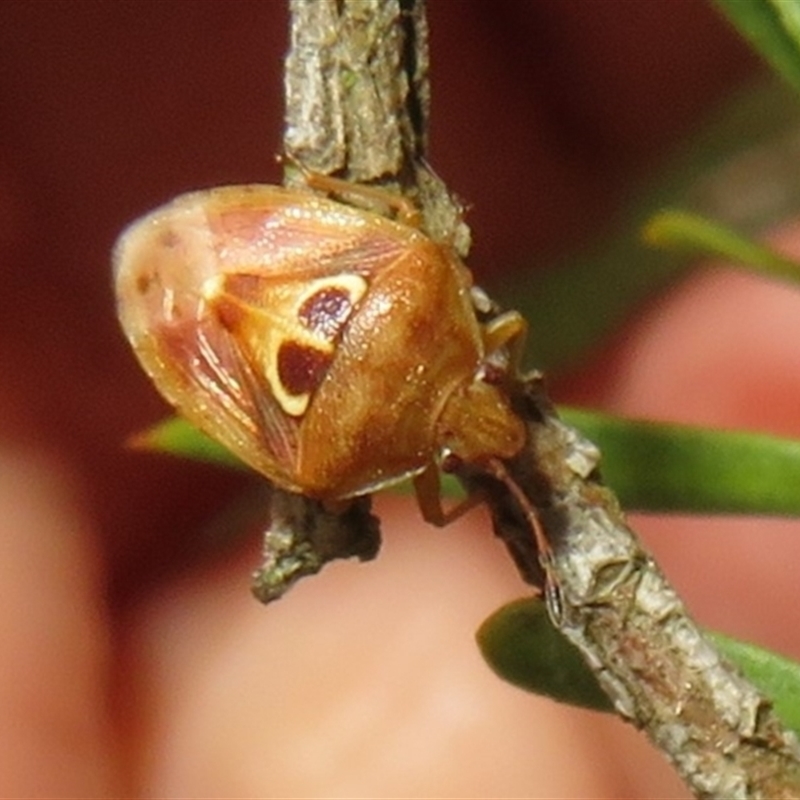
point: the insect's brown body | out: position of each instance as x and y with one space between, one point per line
332 349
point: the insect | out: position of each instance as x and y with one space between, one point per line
333 349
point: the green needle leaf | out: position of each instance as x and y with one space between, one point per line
651 466
662 467
178 437
694 234
521 645
773 28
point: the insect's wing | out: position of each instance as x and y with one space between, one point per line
234 299
204 372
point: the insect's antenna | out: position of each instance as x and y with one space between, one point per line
498 470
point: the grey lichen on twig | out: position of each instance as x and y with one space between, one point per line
303 536
357 88
357 107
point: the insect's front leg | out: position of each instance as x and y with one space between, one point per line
508 330
404 209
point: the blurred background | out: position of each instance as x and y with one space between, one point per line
547 117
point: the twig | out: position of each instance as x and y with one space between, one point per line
357 101
357 106
356 85
613 602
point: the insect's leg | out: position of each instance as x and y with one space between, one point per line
429 498
508 330
497 468
405 210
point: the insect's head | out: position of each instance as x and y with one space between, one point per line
478 423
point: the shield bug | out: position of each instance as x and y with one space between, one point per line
333 349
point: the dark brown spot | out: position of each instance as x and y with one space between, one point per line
326 312
143 283
301 368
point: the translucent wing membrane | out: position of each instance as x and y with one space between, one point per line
235 300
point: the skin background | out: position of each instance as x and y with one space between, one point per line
135 662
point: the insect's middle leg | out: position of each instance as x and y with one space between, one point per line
428 488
